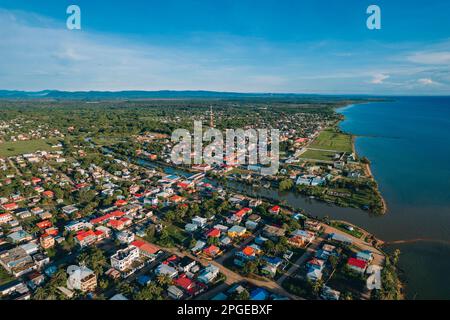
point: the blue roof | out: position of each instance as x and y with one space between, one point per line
259 294
260 240
50 270
273 260
143 280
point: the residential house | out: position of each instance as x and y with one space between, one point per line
365 255
123 259
174 292
81 278
19 236
236 231
85 238
212 251
357 265
208 274
164 269
146 249
17 261
275 210
185 264
340 238
273 232
199 221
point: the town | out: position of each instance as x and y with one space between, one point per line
92 206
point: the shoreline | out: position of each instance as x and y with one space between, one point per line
367 167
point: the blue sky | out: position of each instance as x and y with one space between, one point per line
303 46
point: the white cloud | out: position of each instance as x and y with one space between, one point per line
379 78
426 81
436 58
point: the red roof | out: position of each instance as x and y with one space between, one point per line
176 198
184 282
211 250
48 193
10 206
300 140
81 185
357 263
183 185
6 216
51 231
100 219
44 224
117 213
99 233
116 223
120 203
248 251
215 233
114 214
275 208
243 212
84 234
145 246
172 258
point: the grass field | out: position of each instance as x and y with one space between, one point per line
318 155
10 148
177 234
343 227
330 139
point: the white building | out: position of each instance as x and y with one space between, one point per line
125 237
81 278
123 259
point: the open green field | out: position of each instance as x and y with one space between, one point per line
318 155
330 139
177 234
10 148
343 227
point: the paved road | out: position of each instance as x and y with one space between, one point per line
378 256
14 167
232 252
233 277
301 260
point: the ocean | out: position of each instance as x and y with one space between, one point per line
408 143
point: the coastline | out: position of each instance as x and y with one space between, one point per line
367 169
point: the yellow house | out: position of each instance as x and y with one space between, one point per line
236 231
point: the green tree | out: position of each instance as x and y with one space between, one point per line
286 184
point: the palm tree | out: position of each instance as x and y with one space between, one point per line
317 287
164 280
40 294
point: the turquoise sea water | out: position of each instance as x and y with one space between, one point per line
408 143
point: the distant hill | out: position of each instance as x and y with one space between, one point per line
121 95
164 94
